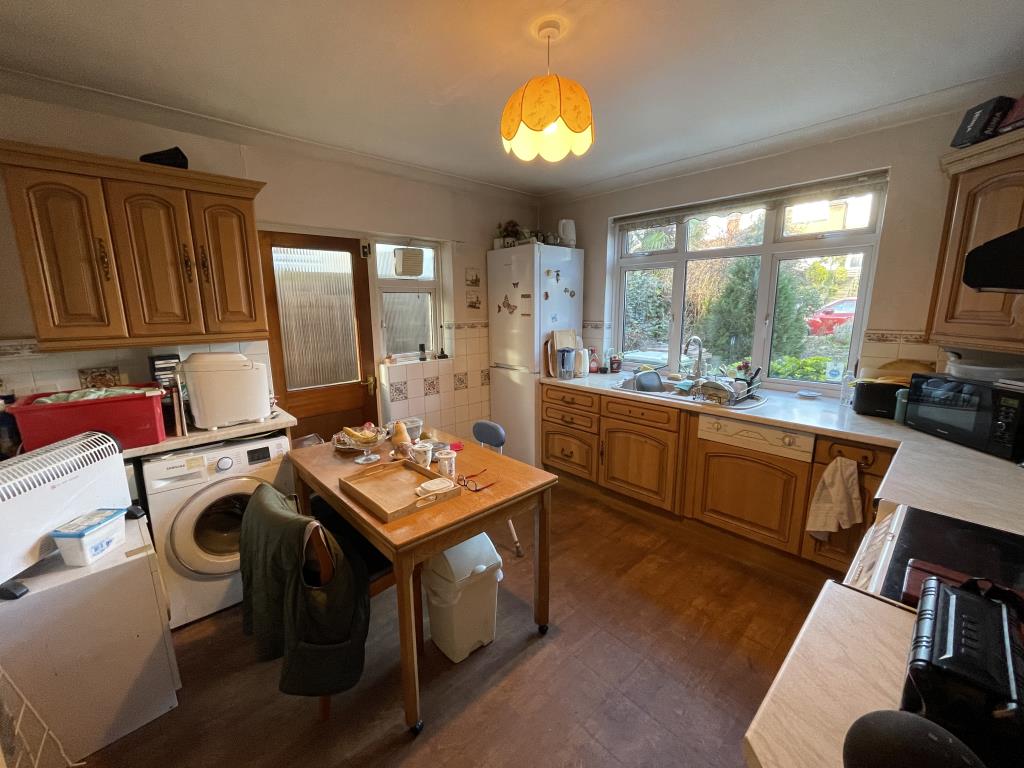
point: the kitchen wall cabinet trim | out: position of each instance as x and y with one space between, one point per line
87 164
985 153
63 235
638 461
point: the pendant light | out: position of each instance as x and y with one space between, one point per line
549 115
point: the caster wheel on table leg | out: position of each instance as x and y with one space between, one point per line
542 629
416 729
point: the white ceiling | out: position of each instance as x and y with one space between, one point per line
424 82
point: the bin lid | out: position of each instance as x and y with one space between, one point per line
85 524
466 560
216 361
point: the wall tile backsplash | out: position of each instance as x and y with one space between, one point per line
24 370
449 394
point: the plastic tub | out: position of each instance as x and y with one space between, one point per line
88 537
134 420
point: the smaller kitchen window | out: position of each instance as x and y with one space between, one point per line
408 286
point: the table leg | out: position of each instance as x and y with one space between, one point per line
417 598
542 562
407 637
302 494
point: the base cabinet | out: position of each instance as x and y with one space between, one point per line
757 495
838 549
569 449
639 462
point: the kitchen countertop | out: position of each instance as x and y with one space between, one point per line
927 472
278 420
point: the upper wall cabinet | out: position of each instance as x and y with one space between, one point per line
117 252
60 223
986 200
225 237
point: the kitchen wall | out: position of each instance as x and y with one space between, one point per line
908 249
309 188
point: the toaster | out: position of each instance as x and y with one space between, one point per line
876 398
225 388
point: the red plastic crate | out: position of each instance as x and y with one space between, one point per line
135 420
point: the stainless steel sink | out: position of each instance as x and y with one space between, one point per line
669 392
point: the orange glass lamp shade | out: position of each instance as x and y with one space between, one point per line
549 116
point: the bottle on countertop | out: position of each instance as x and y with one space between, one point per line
846 389
594 362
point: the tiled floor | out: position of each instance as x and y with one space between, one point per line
659 652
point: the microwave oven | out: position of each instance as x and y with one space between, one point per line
977 414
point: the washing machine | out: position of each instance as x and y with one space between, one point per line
197 498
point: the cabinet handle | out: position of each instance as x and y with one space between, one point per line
104 259
187 261
600 451
567 419
204 262
567 454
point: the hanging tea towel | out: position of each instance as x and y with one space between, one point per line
836 501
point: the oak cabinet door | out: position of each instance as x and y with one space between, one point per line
153 244
987 202
757 495
639 462
224 233
569 449
60 222
838 550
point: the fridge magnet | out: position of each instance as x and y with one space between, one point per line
558 275
554 318
572 294
546 296
566 290
526 296
515 285
508 306
472 277
472 299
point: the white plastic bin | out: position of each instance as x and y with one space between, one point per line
462 596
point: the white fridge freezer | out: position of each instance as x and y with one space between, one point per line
531 291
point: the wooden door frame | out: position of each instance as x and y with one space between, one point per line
337 397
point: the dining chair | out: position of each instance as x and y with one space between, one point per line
492 435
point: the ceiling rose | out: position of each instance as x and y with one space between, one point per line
549 115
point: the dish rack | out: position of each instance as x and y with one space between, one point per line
721 396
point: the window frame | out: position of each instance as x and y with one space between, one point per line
382 285
773 249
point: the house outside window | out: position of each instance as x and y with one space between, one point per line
781 281
408 304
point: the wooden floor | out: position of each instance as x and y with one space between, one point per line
659 652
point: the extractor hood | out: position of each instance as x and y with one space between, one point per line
997 265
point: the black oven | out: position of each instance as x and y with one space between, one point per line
977 414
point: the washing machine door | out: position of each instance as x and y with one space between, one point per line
206 531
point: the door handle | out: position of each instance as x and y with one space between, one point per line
567 454
370 384
186 262
204 262
600 451
104 259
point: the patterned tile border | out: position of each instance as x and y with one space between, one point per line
432 385
475 324
461 381
19 348
597 325
485 377
895 337
398 391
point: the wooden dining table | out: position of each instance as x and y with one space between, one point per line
410 540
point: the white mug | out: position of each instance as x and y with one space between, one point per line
421 454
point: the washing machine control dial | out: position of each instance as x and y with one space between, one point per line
224 463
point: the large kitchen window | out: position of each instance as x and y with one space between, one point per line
780 281
407 281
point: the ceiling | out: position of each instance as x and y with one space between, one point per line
424 83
